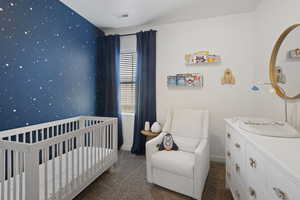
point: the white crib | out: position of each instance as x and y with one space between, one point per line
56 160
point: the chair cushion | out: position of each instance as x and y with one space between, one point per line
186 144
187 123
177 162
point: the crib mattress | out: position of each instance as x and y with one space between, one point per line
76 167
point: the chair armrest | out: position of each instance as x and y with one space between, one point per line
151 148
202 164
151 145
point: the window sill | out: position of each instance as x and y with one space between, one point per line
127 114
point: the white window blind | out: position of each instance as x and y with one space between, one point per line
127 80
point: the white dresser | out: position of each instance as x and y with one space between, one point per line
261 168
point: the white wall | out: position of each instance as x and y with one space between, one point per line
272 18
230 36
245 42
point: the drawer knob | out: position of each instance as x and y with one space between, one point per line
228 154
252 163
228 135
237 167
252 192
280 194
237 145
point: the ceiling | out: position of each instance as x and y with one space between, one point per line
107 13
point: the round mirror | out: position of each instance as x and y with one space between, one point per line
285 64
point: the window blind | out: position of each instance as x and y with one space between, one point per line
127 80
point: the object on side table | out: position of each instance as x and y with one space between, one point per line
228 77
156 128
149 133
147 126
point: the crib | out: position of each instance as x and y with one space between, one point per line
56 160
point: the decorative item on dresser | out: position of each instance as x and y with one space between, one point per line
286 87
260 167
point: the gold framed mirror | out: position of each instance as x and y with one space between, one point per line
281 86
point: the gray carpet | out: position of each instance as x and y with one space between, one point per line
127 181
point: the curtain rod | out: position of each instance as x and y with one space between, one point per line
123 35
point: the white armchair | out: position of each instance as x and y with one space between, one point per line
184 171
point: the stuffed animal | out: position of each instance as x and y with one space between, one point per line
168 143
228 77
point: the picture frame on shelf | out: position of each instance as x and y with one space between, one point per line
188 80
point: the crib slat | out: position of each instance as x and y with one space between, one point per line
82 157
99 146
42 134
67 166
30 137
91 153
60 169
102 146
46 156
78 146
53 171
87 156
15 166
110 138
8 173
73 163
21 167
2 175
95 149
106 142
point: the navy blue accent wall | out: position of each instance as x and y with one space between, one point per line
48 60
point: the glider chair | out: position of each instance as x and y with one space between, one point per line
184 171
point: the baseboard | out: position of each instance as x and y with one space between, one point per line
126 147
215 158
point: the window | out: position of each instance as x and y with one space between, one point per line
127 80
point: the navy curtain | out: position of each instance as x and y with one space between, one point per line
108 80
145 108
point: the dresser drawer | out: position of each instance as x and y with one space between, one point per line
237 151
255 162
238 189
256 174
279 187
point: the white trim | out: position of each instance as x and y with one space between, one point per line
126 147
127 114
215 158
